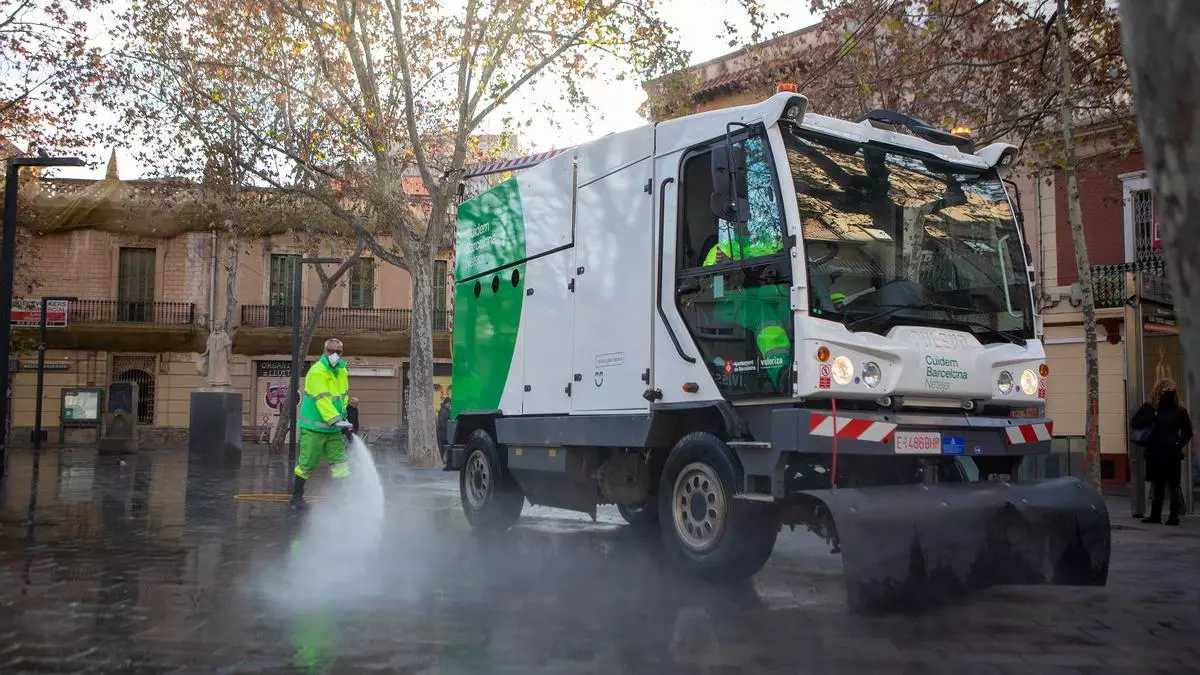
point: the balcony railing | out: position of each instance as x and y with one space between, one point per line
1108 282
117 311
338 318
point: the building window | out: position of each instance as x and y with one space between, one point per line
362 284
439 294
281 288
1143 233
135 284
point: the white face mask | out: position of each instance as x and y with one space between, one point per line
333 358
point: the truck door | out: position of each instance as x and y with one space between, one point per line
733 280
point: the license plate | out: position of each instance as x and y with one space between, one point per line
918 443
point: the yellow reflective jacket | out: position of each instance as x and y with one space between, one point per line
326 392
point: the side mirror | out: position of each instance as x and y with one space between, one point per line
1015 200
729 200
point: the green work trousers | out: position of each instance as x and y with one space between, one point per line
315 446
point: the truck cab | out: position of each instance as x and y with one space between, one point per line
761 316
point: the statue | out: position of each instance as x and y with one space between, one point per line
214 362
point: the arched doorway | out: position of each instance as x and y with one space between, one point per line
145 387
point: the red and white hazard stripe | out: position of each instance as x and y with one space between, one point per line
511 164
851 428
1029 433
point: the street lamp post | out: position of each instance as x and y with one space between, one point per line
7 264
41 369
294 390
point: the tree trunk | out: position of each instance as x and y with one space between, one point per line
233 248
1162 45
1091 354
418 400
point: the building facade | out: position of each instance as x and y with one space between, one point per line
141 308
1137 335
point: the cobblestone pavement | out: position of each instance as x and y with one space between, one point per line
145 565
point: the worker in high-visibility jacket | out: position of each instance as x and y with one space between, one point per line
763 310
322 420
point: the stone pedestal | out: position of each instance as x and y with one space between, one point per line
120 434
215 428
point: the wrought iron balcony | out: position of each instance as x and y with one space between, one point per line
119 311
338 318
1108 283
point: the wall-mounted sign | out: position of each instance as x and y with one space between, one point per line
27 312
59 366
372 371
278 368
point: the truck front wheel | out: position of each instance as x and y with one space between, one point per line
490 497
705 530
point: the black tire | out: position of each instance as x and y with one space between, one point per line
735 544
644 515
491 499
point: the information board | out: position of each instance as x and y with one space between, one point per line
81 406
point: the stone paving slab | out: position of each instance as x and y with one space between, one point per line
151 566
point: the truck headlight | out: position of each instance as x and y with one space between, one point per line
871 374
842 370
1029 381
1005 383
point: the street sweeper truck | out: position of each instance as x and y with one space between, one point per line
759 317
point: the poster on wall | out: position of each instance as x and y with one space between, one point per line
272 380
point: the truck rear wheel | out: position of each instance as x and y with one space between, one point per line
490 497
704 529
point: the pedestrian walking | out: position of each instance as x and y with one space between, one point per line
1162 426
352 413
443 424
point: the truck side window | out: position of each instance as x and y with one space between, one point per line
705 240
764 231
697 224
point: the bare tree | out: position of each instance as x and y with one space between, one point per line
348 102
1091 355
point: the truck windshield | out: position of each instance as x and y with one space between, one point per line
895 238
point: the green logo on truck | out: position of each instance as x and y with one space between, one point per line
491 231
491 234
940 370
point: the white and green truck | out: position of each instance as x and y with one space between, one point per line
760 316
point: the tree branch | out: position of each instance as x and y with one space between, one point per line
410 115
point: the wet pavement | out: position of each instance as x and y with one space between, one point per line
143 564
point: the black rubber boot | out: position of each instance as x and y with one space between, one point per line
298 494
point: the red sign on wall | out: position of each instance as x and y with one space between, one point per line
26 312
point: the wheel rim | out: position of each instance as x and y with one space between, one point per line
478 480
698 507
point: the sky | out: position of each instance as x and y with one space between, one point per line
699 25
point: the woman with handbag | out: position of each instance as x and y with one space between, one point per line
1163 428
